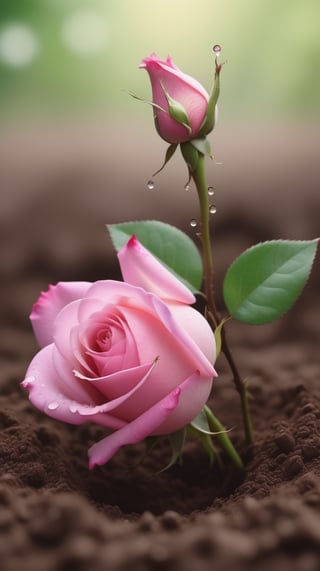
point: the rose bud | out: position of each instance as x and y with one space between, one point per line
180 102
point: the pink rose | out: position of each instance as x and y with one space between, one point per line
131 356
186 96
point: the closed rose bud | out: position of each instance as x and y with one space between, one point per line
180 102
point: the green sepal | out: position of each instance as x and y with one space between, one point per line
200 424
209 120
170 152
190 155
223 437
206 442
150 443
217 335
177 111
176 440
202 145
154 105
209 448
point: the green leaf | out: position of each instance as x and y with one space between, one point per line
265 281
174 249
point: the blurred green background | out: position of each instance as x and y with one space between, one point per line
80 56
76 151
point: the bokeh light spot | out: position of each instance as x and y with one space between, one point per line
85 32
18 45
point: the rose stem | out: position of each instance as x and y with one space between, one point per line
199 177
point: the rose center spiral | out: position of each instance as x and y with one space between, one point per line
104 338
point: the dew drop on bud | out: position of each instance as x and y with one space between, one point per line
212 209
210 190
150 185
193 223
187 187
217 49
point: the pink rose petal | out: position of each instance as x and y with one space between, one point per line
45 392
140 268
133 432
50 303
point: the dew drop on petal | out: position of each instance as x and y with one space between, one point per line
212 209
53 405
150 185
217 49
28 381
210 190
73 407
193 223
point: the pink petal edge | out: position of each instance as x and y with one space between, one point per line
50 303
141 269
45 394
135 431
143 426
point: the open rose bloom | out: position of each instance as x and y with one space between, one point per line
132 356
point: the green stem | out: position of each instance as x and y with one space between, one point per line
223 437
241 387
199 177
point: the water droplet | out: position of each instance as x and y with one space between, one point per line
217 49
28 381
187 187
73 407
53 405
193 223
210 190
150 185
212 209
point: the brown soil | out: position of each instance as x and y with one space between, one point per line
56 515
